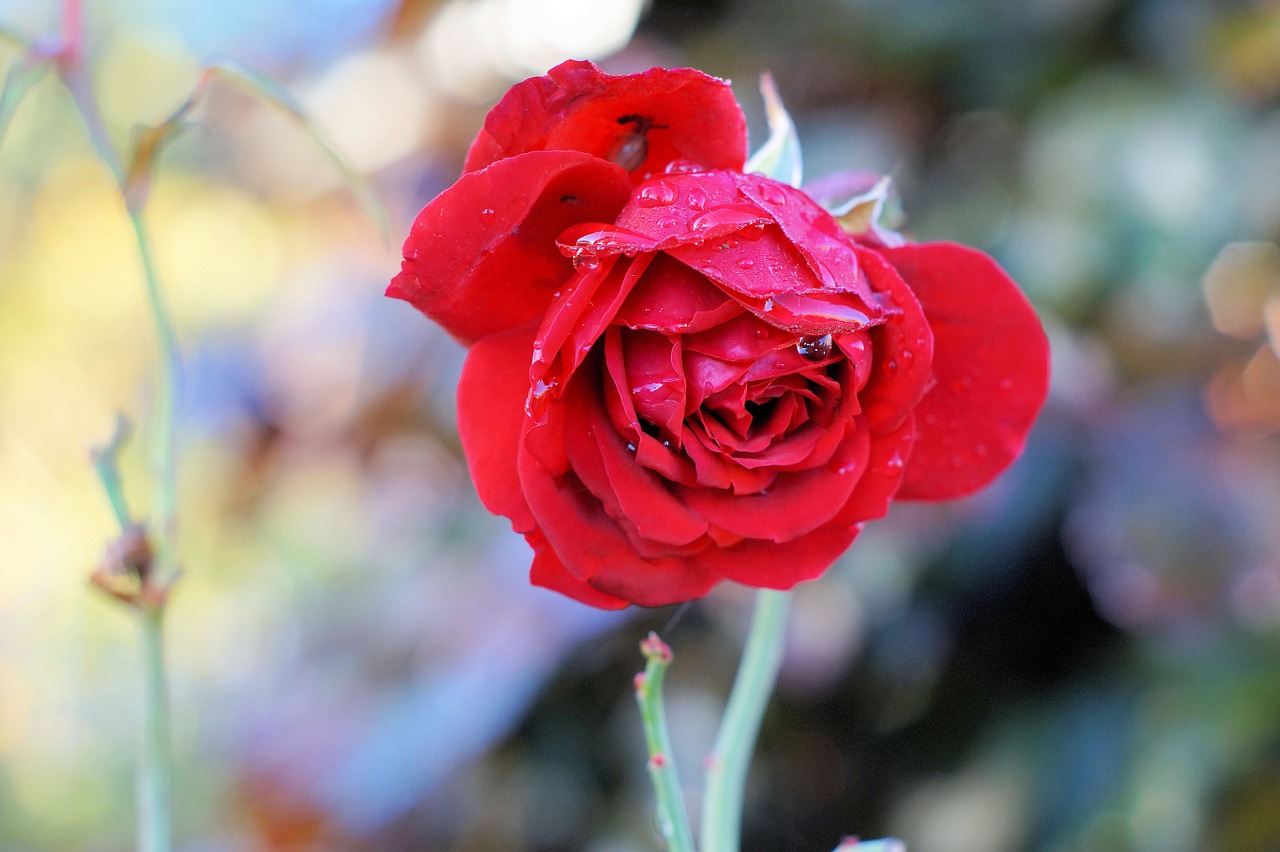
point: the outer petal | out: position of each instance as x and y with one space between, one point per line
549 572
491 398
991 362
770 565
644 121
482 258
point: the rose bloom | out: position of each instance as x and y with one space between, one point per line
680 373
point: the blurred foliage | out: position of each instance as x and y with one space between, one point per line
1084 657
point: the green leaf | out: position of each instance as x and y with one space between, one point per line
23 74
264 87
779 157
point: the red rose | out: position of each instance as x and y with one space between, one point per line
680 373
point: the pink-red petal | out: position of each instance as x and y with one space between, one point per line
991 364
482 257
491 398
643 121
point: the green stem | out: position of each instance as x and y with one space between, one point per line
728 763
672 820
164 418
155 821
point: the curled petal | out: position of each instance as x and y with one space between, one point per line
991 362
481 258
796 503
640 121
902 351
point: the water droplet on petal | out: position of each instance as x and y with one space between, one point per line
890 366
586 262
895 463
683 167
814 347
772 194
487 215
762 333
696 199
631 448
667 222
656 194
745 263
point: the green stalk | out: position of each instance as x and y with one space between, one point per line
672 820
728 763
164 448
155 820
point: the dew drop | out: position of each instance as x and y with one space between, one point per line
631 448
667 223
762 333
890 366
682 167
745 263
895 463
586 262
487 215
656 194
814 347
772 194
907 356
696 199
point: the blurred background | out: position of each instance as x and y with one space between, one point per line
1083 657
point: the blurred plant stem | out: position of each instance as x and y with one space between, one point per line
728 762
672 819
155 822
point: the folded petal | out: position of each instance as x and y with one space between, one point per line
640 121
482 258
991 364
796 503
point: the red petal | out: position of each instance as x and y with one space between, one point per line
491 396
881 482
592 548
482 258
646 120
902 351
797 503
769 565
548 571
991 362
